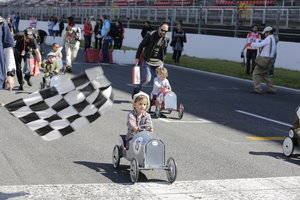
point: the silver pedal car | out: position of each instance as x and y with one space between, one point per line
144 153
293 140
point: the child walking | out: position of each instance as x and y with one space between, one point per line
51 68
56 49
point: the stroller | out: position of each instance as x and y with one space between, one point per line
293 140
50 81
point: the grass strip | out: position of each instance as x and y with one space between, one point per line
282 77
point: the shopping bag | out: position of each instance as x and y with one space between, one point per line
92 55
136 77
33 66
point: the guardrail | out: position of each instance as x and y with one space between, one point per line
195 18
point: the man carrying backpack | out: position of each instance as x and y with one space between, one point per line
106 38
154 45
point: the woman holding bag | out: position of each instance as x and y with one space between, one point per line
178 38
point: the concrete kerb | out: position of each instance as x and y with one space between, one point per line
226 76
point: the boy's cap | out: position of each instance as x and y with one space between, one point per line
139 94
51 54
267 29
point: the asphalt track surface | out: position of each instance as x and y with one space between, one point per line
209 143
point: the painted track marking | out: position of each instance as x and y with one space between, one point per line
264 118
279 188
265 138
198 121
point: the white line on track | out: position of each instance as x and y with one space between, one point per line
198 121
279 188
264 118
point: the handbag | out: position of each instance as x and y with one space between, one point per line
33 66
136 75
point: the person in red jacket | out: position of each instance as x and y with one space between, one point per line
251 53
87 32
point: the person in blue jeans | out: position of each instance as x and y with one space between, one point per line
106 38
154 48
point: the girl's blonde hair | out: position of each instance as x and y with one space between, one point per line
162 71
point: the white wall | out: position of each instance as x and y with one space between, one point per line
212 47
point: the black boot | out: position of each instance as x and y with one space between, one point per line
27 79
20 87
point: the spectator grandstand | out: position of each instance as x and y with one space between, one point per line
91 3
216 17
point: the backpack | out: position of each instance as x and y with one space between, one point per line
113 31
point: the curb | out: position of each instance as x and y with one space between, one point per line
226 76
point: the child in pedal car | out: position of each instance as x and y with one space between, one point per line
160 82
138 119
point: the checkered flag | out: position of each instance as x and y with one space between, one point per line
58 111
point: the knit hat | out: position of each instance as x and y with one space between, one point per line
51 54
139 94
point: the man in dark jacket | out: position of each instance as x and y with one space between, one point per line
154 48
146 29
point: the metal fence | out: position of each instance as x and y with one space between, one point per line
196 19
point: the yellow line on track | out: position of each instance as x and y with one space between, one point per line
265 138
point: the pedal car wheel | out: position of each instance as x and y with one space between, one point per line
171 170
134 170
180 111
288 146
116 157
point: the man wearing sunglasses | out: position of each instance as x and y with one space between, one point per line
154 48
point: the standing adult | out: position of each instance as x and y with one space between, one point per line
16 22
178 38
146 29
7 72
71 44
50 26
97 32
87 33
55 27
154 46
264 61
26 47
106 38
251 52
118 39
61 26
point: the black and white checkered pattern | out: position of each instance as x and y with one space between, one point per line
58 111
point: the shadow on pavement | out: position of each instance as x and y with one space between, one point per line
4 196
120 175
295 158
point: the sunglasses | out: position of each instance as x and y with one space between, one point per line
162 30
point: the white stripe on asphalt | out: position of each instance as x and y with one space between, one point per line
279 188
264 118
199 121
